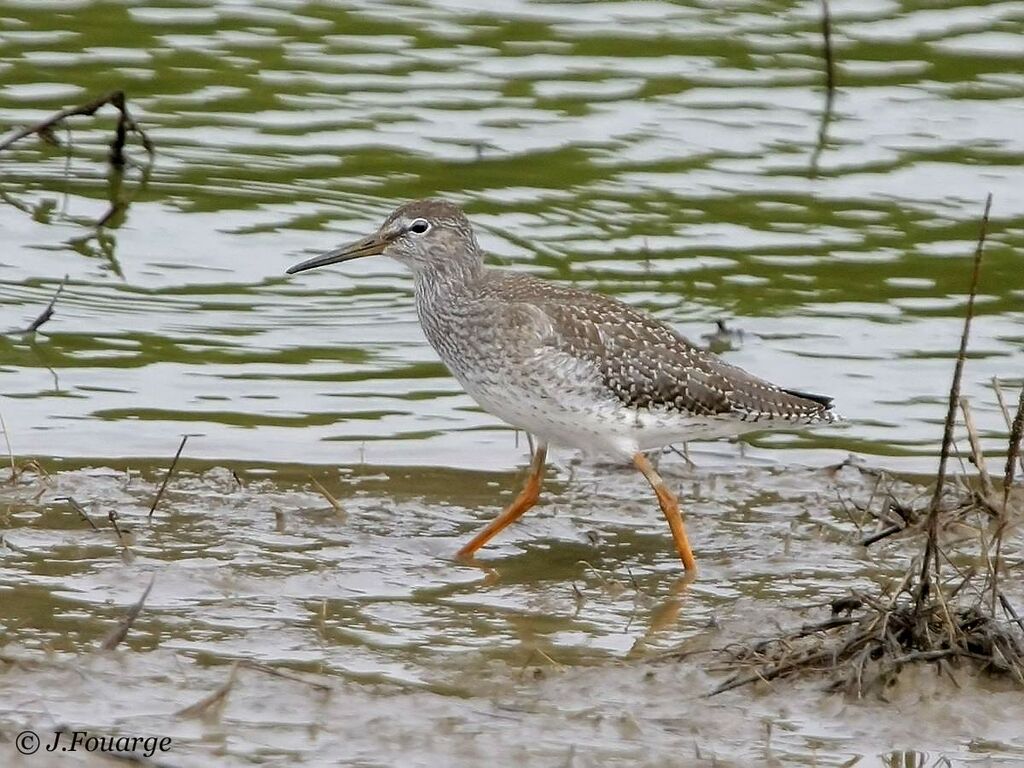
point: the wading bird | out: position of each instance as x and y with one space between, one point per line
568 366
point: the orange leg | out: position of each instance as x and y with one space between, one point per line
670 507
524 501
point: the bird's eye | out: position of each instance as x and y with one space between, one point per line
419 226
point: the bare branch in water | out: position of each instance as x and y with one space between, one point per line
125 123
830 85
826 36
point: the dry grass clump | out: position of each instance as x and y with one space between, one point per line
953 615
941 612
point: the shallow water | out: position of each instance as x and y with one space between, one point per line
554 653
681 158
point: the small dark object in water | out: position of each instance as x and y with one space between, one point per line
723 338
846 605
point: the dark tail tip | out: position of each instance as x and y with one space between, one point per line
822 400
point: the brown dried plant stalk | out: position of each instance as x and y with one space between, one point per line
939 612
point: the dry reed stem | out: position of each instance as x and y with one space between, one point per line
830 86
1002 401
167 477
329 496
79 509
1013 452
121 631
935 615
10 450
977 455
214 699
931 548
256 666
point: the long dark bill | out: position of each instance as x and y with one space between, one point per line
368 246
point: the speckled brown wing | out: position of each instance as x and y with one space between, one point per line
647 365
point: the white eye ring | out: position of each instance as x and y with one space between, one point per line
420 227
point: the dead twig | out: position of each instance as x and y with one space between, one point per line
905 515
125 123
683 454
777 670
885 533
47 313
218 697
1010 611
126 550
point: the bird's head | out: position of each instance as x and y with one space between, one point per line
431 235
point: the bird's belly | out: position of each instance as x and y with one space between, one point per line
597 426
566 420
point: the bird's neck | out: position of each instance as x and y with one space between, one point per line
444 284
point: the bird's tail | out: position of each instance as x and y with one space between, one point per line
822 400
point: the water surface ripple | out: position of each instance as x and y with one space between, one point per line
678 157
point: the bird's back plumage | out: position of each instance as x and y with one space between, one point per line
644 362
572 357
